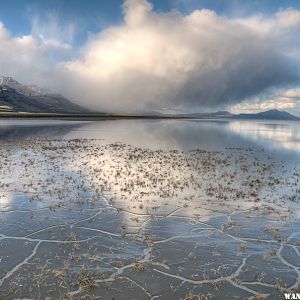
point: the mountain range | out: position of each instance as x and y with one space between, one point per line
273 114
18 98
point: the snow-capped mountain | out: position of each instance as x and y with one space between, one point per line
20 88
16 97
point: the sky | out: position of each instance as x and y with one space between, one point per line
169 56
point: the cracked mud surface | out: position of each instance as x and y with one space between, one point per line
89 219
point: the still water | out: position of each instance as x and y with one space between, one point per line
149 209
280 136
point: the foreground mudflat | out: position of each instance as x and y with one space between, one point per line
83 218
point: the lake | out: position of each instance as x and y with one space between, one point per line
149 209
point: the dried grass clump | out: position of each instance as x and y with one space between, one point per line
85 279
191 296
139 267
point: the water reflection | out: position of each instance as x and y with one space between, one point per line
161 134
23 129
191 134
284 135
280 137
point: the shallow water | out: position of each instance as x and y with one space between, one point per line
149 209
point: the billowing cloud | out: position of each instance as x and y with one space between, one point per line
32 58
16 53
155 61
278 23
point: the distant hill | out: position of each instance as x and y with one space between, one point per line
218 114
15 97
272 114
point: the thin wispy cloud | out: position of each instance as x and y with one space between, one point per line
49 30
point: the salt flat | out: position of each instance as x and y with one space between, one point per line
149 210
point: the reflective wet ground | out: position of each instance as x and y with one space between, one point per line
149 210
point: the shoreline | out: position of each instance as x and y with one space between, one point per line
93 116
99 117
